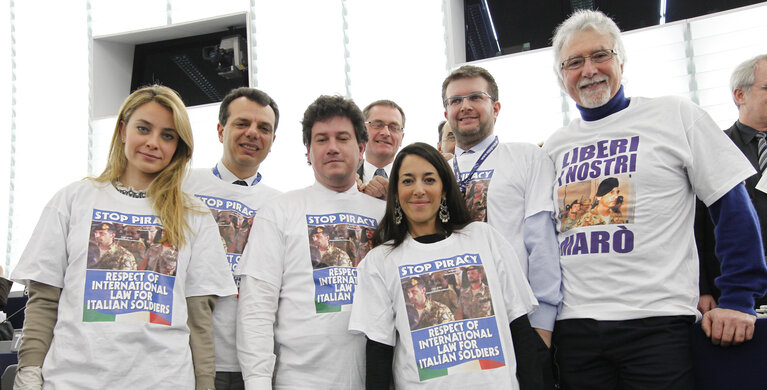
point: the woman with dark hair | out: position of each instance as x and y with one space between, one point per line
426 232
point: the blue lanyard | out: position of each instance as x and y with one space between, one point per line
482 158
218 175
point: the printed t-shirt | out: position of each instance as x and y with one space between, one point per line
630 253
120 325
449 350
305 233
234 208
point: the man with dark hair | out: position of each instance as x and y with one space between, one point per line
289 297
385 121
233 191
630 288
476 301
446 143
428 312
113 256
508 185
748 85
329 254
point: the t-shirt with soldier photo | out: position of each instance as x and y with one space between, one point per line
310 240
233 207
115 308
400 301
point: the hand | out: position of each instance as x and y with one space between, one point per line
377 187
28 378
447 156
545 335
728 327
706 303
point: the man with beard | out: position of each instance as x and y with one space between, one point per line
517 179
475 298
630 296
602 212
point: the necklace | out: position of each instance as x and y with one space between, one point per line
128 191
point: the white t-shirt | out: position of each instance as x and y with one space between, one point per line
434 350
633 254
233 207
512 184
313 348
121 319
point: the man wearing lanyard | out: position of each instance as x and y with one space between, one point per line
232 191
509 186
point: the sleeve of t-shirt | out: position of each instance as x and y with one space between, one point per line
209 272
256 314
540 180
373 310
517 295
264 256
716 164
45 258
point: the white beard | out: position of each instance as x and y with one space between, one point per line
594 99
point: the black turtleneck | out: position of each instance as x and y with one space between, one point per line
617 103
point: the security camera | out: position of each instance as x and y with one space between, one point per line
230 56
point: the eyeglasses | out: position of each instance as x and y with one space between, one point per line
379 125
474 98
596 57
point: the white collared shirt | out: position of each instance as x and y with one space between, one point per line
370 171
228 176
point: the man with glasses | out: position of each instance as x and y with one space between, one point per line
507 185
749 92
630 287
385 121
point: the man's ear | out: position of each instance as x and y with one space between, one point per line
220 133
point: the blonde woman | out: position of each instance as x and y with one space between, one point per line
98 317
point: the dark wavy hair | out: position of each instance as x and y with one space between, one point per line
327 107
459 215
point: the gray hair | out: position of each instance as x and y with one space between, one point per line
583 20
743 76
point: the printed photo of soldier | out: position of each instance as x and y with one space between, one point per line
131 240
366 243
476 199
442 291
333 253
111 255
572 214
603 201
423 311
476 301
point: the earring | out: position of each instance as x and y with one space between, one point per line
444 214
397 213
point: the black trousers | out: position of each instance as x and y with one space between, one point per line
229 381
648 353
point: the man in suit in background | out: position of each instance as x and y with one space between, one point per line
385 122
748 84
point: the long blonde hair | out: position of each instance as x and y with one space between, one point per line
168 201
